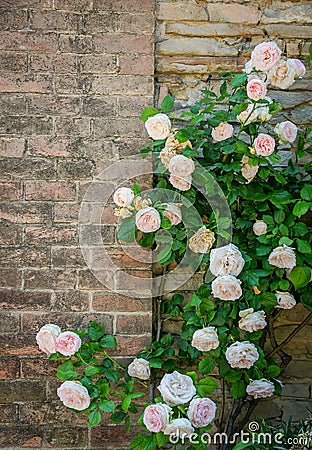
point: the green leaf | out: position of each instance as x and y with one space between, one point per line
206 386
182 135
303 246
107 406
92 370
194 302
238 389
233 376
66 371
268 299
127 230
279 216
206 366
143 442
95 418
238 79
241 446
118 417
147 240
136 188
156 363
108 341
148 112
300 276
162 439
166 223
272 371
306 192
167 103
95 331
126 402
300 208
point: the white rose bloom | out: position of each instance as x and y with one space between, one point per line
123 197
259 227
242 355
179 427
176 389
260 388
158 127
282 75
248 171
248 116
173 213
226 260
205 339
286 131
283 257
46 338
140 368
226 287
285 300
181 166
252 321
202 240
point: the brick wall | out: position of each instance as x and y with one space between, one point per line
74 76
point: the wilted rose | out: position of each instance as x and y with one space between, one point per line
165 156
285 300
264 144
123 196
226 260
147 220
140 202
74 395
256 89
139 368
226 287
205 339
286 131
260 388
223 131
156 417
46 338
180 166
259 227
202 240
248 171
176 389
298 66
249 115
283 257
201 412
122 212
265 56
179 427
173 213
158 126
173 143
252 321
242 355
283 75
68 343
181 183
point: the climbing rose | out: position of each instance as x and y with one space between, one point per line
242 355
46 338
202 240
205 339
283 257
226 287
201 412
260 388
223 131
265 56
74 395
256 89
68 343
176 389
286 131
180 166
123 196
179 427
158 126
173 213
298 66
147 220
252 321
259 227
226 260
264 144
248 171
181 183
156 417
285 300
140 368
282 75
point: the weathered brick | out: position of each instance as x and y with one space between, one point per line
211 29
12 147
128 127
78 126
180 11
298 14
74 5
12 104
67 257
37 368
61 63
25 300
50 190
132 106
9 368
293 49
56 105
26 83
10 191
136 65
75 169
74 301
110 437
22 391
126 257
199 65
24 256
134 324
50 279
100 23
100 106
288 31
31 168
10 278
20 437
195 46
46 235
97 234
120 5
10 40
13 19
8 414
131 345
19 345
10 234
73 84
96 192
103 280
134 23
113 302
134 281
10 322
26 212
13 62
63 437
53 20
28 125
45 414
98 64
66 212
119 43
75 43
41 146
233 13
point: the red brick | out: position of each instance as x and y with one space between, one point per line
134 280
67 257
53 20
47 235
137 23
120 5
134 324
112 436
131 345
89 282
13 62
120 43
22 391
126 257
31 168
180 11
13 19
100 23
74 301
104 127
132 106
12 147
19 344
26 125
46 414
122 85
8 414
50 190
26 83
9 321
44 146
72 84
75 43
78 126
26 212
53 63
10 234
38 368
75 169
50 279
233 13
66 212
25 300
56 105
74 5
10 191
10 278
136 65
24 256
98 64
20 437
12 104
113 302
66 437
9 368
14 40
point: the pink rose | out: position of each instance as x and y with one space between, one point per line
68 343
298 66
148 220
242 355
223 131
286 131
248 171
264 144
46 338
260 388
201 412
173 213
248 116
180 166
183 184
265 56
123 196
74 395
283 75
158 126
156 417
256 89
